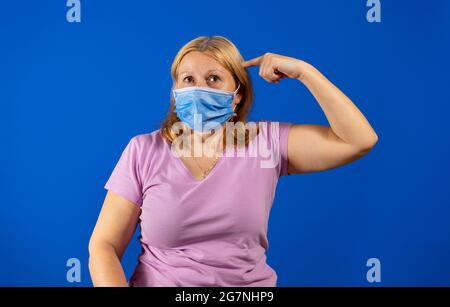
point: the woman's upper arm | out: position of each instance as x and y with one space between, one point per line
116 223
313 147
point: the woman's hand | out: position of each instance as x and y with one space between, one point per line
313 147
274 67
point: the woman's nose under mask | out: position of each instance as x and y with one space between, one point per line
203 108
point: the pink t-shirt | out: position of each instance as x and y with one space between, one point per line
211 232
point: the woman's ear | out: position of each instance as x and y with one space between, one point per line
237 100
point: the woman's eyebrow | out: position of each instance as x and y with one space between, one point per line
215 70
211 70
183 72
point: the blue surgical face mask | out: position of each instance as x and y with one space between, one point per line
203 108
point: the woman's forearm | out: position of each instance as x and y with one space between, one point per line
105 267
345 119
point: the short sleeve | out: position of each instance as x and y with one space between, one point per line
125 179
283 141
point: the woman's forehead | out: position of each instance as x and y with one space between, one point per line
196 62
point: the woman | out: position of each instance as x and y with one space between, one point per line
203 217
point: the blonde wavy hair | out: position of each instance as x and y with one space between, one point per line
225 52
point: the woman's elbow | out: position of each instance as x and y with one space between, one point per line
99 247
368 144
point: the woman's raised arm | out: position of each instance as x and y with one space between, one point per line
313 147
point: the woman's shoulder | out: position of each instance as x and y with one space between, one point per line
272 127
270 122
146 138
146 142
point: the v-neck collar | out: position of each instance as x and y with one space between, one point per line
189 173
186 169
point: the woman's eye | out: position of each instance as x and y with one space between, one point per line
213 78
187 79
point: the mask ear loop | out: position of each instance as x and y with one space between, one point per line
235 93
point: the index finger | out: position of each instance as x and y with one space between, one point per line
252 62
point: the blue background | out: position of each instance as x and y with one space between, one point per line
73 94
